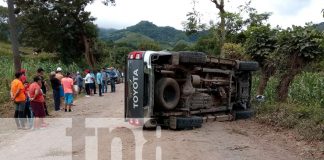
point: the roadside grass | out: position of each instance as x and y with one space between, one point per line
304 110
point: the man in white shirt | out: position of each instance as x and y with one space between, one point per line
88 80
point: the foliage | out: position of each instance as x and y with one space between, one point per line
134 39
181 46
233 26
149 46
235 51
208 44
167 37
260 43
4 28
5 49
304 110
305 42
193 23
31 65
159 34
58 26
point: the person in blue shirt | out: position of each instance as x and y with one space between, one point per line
104 81
99 82
93 85
113 77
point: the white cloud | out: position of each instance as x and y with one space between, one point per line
173 12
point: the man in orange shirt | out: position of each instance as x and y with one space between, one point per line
67 83
18 96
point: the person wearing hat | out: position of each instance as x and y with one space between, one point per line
55 83
59 76
88 82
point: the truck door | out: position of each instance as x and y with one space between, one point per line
134 86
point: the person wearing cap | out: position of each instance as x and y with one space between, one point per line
88 81
55 83
59 76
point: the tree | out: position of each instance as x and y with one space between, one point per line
60 26
235 51
14 35
220 6
260 45
4 26
207 44
297 46
181 46
233 27
193 23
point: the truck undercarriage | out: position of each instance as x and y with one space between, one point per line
183 87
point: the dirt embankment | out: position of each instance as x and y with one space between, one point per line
215 140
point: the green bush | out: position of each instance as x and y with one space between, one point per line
304 110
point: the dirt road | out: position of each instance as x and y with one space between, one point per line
239 140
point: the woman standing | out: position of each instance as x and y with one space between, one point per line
37 101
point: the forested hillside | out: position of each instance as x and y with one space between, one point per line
162 35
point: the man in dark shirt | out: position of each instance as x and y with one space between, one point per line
55 83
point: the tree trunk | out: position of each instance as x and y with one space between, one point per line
223 32
220 7
14 35
88 55
266 72
296 65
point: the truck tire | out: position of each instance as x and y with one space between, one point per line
187 57
167 93
244 114
248 66
181 123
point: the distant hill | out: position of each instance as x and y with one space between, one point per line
145 30
320 26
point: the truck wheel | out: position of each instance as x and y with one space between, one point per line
167 93
244 114
248 66
192 57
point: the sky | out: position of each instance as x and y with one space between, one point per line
173 12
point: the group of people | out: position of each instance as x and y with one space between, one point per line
101 78
30 98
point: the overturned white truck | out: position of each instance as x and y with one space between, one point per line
180 89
